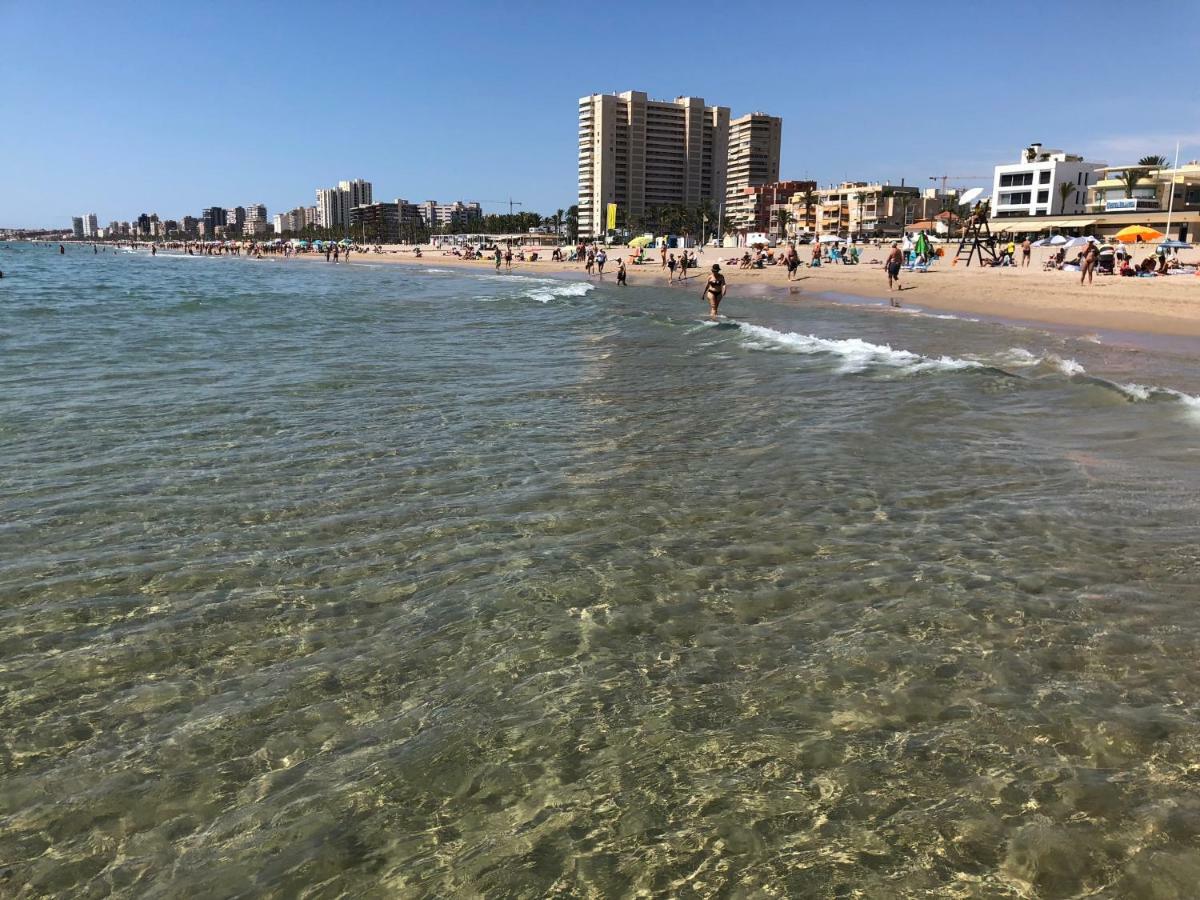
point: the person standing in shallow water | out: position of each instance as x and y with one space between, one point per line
714 289
894 261
620 271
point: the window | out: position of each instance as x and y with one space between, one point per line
1044 177
1016 179
1043 196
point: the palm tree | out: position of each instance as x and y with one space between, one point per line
1065 190
810 199
783 218
1130 177
558 220
1153 162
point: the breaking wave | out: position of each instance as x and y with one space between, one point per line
854 354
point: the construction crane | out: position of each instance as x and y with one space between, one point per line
510 201
945 178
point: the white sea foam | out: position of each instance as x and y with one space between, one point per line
856 355
1067 366
550 290
1019 356
1140 393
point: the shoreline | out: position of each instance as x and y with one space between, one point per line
1162 307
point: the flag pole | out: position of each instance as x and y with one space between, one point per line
1171 188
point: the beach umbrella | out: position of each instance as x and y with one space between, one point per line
641 241
1055 241
1176 245
346 242
1132 233
1044 242
1080 241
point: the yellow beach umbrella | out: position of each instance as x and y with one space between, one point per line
1134 233
641 241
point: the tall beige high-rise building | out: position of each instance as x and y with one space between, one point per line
754 141
641 154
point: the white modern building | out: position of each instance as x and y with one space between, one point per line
1041 183
329 207
334 204
91 227
443 215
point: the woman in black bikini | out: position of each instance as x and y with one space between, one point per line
714 290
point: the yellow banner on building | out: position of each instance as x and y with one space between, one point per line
612 217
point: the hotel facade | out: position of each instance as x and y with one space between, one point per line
641 154
1107 199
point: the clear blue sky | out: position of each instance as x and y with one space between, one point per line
171 107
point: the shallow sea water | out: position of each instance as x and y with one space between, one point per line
362 581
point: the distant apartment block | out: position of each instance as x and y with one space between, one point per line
450 215
77 226
862 209
754 144
1031 187
334 204
641 154
757 208
90 226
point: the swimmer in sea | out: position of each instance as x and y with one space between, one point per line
714 289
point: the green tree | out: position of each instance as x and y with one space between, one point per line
572 222
1153 162
1065 190
1130 178
810 200
783 218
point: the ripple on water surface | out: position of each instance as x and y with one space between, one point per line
333 581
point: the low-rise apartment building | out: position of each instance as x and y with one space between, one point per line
861 209
1164 198
1037 184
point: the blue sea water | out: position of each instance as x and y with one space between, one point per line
373 580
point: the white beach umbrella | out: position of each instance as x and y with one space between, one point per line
1044 242
1056 240
1079 241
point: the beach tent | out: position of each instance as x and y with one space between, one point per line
1132 233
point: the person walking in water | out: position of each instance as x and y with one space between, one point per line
714 289
620 271
671 269
499 258
61 249
601 259
894 261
